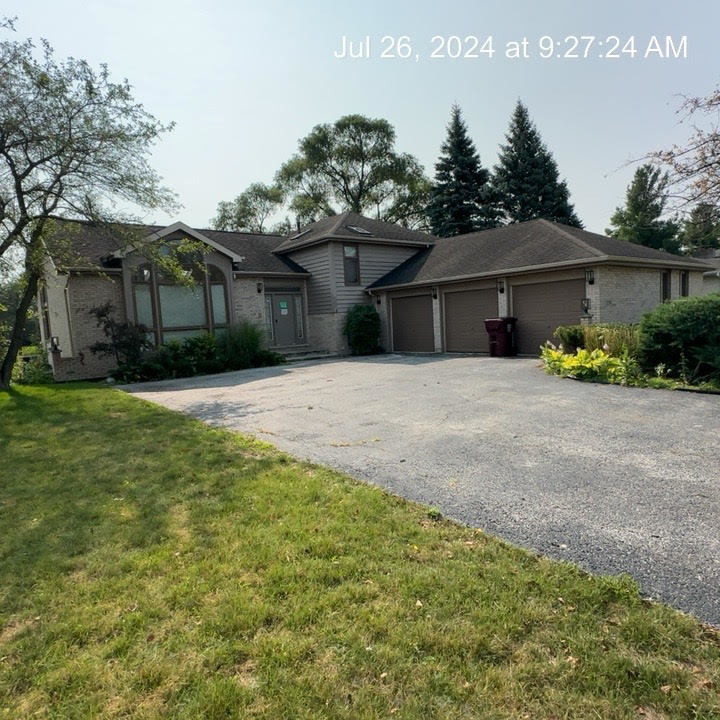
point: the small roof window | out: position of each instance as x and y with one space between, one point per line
358 229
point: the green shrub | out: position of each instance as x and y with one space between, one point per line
242 346
237 348
684 337
571 337
362 327
582 365
615 338
35 371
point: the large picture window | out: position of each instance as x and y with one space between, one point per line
173 311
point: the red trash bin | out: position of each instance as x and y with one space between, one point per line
501 332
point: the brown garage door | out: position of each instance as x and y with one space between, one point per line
412 321
541 307
465 313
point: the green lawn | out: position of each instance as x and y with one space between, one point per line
152 567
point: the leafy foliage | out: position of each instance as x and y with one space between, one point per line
583 364
571 337
615 338
461 199
250 210
362 327
694 168
72 142
242 346
125 342
35 371
526 178
239 347
639 221
684 336
352 165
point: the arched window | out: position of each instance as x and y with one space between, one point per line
174 311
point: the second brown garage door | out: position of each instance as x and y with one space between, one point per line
541 307
412 321
465 314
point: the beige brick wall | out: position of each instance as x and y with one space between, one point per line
84 293
624 294
325 332
247 302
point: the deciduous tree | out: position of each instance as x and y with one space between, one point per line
72 143
694 168
353 165
249 211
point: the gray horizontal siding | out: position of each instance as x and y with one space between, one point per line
375 261
316 260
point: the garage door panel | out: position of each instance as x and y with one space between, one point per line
465 314
541 307
412 320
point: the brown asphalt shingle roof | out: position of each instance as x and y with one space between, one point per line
521 245
341 226
81 244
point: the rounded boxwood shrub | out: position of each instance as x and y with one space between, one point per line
362 327
684 337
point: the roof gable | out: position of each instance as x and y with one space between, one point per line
84 245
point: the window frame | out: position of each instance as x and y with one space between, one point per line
666 286
353 261
157 279
684 283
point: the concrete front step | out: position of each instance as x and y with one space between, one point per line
300 355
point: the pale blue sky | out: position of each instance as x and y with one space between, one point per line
245 80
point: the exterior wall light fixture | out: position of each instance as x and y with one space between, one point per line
500 286
586 305
434 293
590 276
260 287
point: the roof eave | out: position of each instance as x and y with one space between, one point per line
356 239
582 262
261 273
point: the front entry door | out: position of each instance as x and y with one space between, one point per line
285 308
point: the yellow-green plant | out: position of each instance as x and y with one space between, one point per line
583 365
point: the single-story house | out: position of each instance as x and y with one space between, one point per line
432 294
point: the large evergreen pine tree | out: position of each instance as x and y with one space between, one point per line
701 229
461 197
526 177
639 221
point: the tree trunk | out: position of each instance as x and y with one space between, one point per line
10 358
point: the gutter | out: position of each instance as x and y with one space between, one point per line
508 272
259 273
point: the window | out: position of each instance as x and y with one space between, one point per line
351 264
665 285
684 283
172 311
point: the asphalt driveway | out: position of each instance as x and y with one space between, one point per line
615 479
